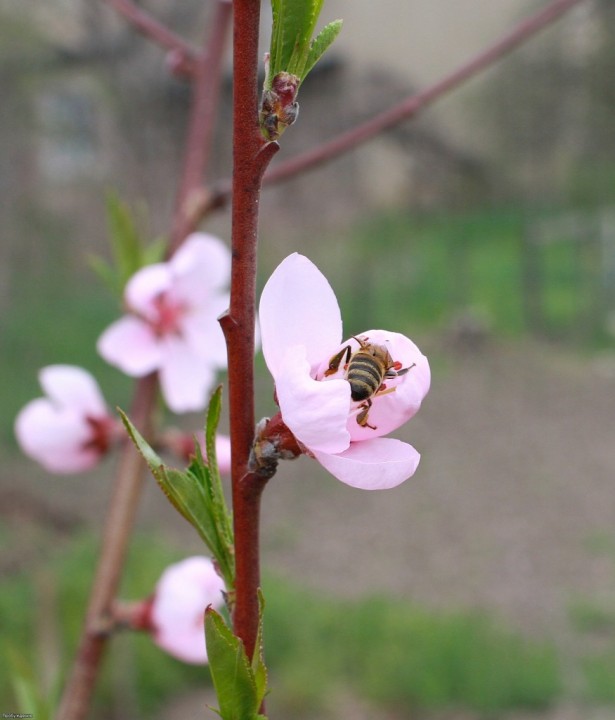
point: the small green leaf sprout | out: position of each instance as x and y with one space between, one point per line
292 55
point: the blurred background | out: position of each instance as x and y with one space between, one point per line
485 230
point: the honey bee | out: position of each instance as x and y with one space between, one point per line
366 369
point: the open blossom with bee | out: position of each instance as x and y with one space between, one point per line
339 398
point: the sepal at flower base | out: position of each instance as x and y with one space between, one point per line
240 684
196 493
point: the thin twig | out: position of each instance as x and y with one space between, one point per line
408 108
207 77
156 31
116 535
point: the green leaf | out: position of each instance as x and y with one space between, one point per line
129 252
125 240
154 252
106 273
302 19
216 490
30 696
230 671
185 494
320 45
259 669
291 37
211 426
197 494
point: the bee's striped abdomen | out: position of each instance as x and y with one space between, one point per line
365 375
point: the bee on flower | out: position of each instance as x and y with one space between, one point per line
340 398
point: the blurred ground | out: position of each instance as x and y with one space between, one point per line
514 490
512 509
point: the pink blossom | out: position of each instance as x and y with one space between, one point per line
301 331
69 430
172 324
183 592
223 454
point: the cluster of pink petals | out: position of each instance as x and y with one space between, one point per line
177 618
69 430
172 324
301 331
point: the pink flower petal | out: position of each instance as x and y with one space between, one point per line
377 464
145 286
73 387
183 592
298 307
130 345
201 266
315 412
223 453
202 330
56 438
392 409
185 377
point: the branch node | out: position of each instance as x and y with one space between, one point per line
227 323
264 157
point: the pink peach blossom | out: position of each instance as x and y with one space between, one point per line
172 324
69 430
301 331
182 594
223 454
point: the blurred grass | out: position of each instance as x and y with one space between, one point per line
136 676
395 654
401 656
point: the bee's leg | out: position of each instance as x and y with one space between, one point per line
336 360
362 416
397 371
384 390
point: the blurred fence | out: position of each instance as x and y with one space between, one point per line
506 272
569 275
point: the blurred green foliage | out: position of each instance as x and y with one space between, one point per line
599 672
137 676
400 655
390 652
393 654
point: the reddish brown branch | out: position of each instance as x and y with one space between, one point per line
116 535
250 158
206 88
159 33
405 110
